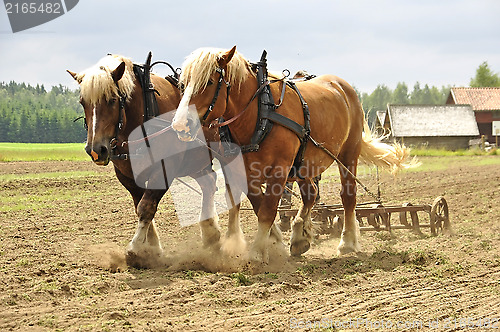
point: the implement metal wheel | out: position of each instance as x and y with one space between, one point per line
440 219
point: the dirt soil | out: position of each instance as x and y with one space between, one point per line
62 261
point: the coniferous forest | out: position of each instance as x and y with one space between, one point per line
33 115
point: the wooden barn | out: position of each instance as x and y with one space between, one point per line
438 126
485 103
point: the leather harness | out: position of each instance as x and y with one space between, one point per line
267 114
267 117
143 76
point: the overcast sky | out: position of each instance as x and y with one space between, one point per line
436 42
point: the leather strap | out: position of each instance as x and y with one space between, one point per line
299 130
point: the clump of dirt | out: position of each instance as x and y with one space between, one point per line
230 257
109 256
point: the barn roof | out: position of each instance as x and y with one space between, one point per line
432 120
481 99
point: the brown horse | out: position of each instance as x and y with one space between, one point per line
336 122
113 102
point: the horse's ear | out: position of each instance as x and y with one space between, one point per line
226 57
74 75
118 72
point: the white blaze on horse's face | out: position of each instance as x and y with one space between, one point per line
180 121
186 121
94 124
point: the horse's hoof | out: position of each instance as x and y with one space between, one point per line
234 246
299 247
344 249
147 259
210 240
134 260
258 257
212 245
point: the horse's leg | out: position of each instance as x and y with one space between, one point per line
268 206
302 232
131 186
350 233
234 244
256 199
286 203
256 196
146 241
209 225
145 247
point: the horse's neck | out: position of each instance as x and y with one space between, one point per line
134 111
169 96
168 100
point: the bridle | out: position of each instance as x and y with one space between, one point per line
142 73
119 125
216 123
216 94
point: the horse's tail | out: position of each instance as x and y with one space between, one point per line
392 157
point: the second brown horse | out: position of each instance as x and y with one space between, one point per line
336 122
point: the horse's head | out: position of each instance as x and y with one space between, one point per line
104 90
206 77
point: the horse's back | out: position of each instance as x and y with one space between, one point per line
335 112
334 84
333 103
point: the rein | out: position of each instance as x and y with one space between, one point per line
215 124
147 138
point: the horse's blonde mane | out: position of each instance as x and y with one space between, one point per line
202 63
96 83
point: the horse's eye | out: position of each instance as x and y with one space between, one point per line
210 82
112 101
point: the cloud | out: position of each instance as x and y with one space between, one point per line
366 42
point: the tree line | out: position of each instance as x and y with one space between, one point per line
30 114
382 95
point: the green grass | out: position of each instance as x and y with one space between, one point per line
439 163
42 151
430 152
75 152
50 175
42 199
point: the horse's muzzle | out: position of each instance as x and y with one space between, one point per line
192 130
185 137
100 154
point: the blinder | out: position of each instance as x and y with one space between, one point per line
216 94
119 125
